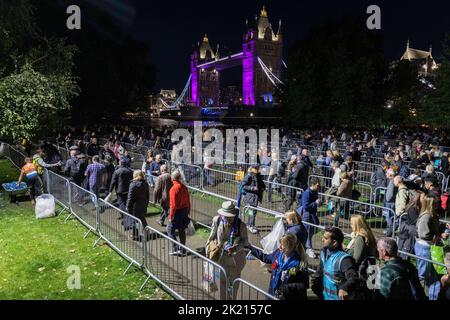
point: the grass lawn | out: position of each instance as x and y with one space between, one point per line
36 254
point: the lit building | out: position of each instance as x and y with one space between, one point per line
162 100
426 65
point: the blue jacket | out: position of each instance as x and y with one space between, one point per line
293 283
309 203
299 231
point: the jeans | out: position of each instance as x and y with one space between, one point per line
427 271
164 214
313 219
389 216
251 218
272 180
209 178
181 233
343 208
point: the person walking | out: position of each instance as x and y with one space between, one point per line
137 203
308 211
253 188
94 173
161 193
363 244
226 243
120 181
179 209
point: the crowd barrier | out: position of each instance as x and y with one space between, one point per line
190 277
137 245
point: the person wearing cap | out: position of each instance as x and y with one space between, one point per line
179 209
137 202
226 243
253 187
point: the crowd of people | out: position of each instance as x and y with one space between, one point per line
415 196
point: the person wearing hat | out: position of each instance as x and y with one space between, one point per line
253 187
226 243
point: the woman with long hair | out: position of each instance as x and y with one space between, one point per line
363 243
427 235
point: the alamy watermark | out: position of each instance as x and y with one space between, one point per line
238 146
374 20
74 20
74 280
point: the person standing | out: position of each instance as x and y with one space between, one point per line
161 193
179 209
310 201
137 203
94 173
398 279
120 181
336 278
253 187
363 243
289 278
427 232
226 244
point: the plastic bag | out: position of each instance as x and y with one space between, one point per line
45 206
190 230
211 277
271 242
437 254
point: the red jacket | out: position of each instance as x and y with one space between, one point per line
179 198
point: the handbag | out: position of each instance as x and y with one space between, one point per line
438 251
214 251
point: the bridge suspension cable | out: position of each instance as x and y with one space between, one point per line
273 78
180 97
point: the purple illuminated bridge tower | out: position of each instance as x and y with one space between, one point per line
260 45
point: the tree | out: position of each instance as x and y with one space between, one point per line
436 105
335 76
36 81
112 68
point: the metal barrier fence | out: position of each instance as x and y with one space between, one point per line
58 187
123 232
84 207
189 275
247 291
192 174
366 190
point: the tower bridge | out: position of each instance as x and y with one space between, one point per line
260 59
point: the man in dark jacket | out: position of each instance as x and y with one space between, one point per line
336 278
298 179
398 279
120 181
378 178
137 202
253 188
308 212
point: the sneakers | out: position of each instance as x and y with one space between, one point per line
160 223
310 253
252 230
175 253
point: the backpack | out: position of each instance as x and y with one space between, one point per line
444 201
404 171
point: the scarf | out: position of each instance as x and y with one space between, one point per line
281 268
233 232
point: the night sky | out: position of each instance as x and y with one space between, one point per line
171 28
